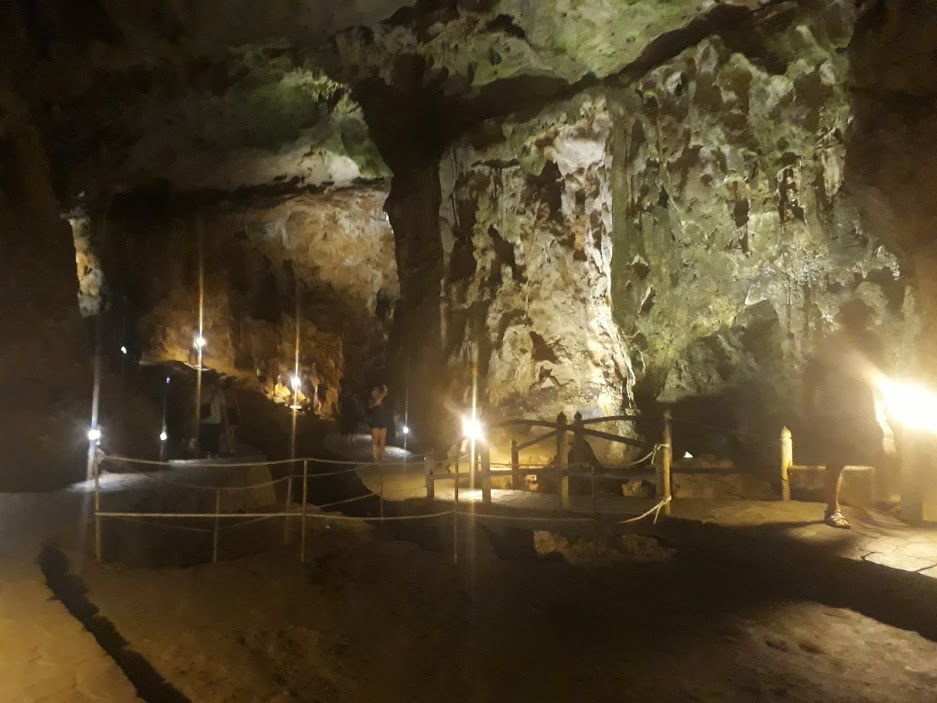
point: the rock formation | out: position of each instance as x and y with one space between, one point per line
593 206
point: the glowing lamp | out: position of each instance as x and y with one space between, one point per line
405 430
94 434
167 379
912 405
687 455
296 382
472 429
163 436
123 350
200 342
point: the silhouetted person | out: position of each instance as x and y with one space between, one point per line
211 416
380 417
348 412
842 401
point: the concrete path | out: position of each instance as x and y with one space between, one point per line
46 654
875 537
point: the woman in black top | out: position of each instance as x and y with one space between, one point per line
379 419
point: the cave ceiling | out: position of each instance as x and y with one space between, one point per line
227 94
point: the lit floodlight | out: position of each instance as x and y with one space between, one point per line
406 430
687 455
472 429
163 436
912 405
123 350
296 382
199 342
94 434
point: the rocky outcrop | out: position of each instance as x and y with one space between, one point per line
690 235
45 364
892 165
527 241
326 260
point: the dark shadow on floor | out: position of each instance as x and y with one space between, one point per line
70 590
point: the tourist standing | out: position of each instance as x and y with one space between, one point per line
380 417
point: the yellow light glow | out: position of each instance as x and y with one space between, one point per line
200 342
297 382
472 429
911 404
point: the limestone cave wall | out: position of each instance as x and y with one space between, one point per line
686 238
324 259
527 225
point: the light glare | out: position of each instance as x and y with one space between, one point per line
472 429
163 436
123 350
913 405
200 341
94 434
296 381
406 430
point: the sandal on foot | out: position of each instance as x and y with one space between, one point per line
836 520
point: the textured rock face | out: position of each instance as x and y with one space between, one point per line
690 235
892 164
735 241
656 209
45 368
527 242
327 257
470 45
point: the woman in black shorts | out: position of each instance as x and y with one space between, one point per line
379 419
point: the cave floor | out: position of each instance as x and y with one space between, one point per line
760 603
374 618
875 537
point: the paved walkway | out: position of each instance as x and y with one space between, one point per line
46 654
876 537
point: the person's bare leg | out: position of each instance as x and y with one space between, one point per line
382 442
376 444
834 482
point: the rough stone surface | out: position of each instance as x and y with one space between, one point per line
327 257
688 239
526 237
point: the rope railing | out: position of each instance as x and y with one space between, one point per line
198 464
431 467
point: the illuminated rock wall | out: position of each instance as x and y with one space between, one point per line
686 239
328 257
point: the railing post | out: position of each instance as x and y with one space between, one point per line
214 540
380 475
663 484
787 460
302 538
485 456
430 475
579 439
515 466
286 511
455 510
562 452
97 504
